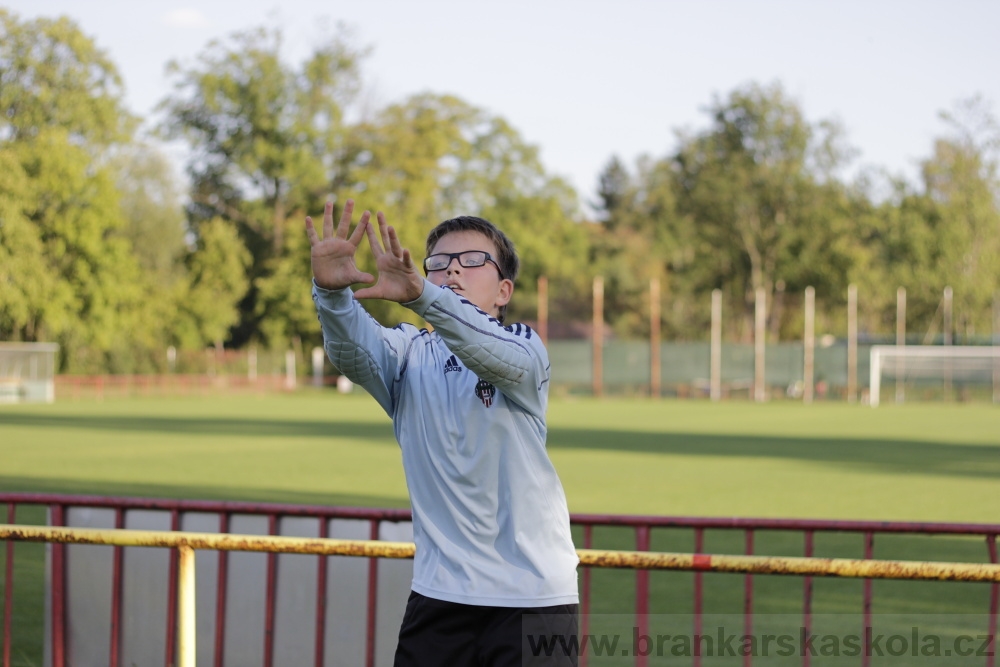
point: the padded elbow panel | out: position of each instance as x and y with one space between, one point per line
354 362
499 362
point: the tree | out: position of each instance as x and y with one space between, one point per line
550 243
52 75
757 186
31 296
266 141
898 248
961 178
284 302
217 280
638 240
150 199
432 157
941 232
72 275
613 186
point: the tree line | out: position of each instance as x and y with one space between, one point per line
104 251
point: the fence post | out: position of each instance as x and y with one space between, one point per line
642 543
900 341
317 364
252 364
807 595
654 337
946 324
290 369
875 376
852 343
991 547
996 342
809 347
8 590
715 371
597 363
947 338
867 600
185 608
58 592
759 333
543 309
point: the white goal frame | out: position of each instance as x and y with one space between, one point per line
882 355
27 372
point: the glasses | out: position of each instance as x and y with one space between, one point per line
469 259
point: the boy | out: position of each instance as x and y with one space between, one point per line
468 404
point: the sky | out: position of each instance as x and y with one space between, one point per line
585 80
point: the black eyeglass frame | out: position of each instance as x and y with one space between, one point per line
458 255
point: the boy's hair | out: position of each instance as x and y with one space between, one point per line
507 254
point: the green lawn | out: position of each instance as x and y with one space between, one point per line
930 462
926 462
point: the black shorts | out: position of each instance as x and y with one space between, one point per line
436 633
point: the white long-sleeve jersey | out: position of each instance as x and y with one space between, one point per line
468 402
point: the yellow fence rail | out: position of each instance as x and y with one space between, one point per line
187 543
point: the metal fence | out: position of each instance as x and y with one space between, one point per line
677 369
641 559
685 368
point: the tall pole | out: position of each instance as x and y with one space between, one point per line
318 357
543 309
715 363
290 381
852 343
996 343
947 325
760 329
597 362
809 347
654 337
900 342
186 626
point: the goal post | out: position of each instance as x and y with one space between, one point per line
967 365
27 372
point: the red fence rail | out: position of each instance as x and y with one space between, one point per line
78 387
58 504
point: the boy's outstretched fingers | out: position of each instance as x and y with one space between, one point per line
359 231
393 243
383 231
377 250
345 218
311 232
390 241
342 228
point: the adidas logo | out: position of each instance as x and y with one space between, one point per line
451 365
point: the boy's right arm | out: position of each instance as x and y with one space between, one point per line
361 348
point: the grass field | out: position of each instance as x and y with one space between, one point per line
937 462
927 462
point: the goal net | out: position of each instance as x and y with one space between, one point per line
935 371
27 372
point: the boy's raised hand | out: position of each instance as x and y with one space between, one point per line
333 255
398 277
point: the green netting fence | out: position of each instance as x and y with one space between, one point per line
685 368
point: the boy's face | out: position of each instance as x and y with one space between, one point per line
482 285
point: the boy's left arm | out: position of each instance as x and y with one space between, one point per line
511 358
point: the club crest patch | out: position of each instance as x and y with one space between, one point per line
485 391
